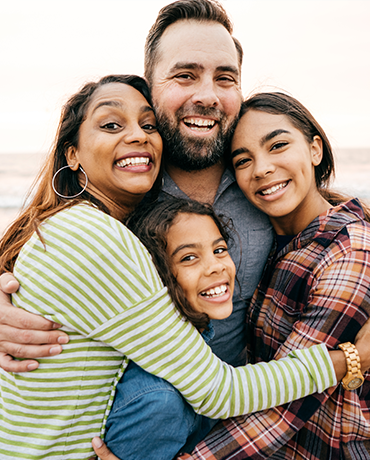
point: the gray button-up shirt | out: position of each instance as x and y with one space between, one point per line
249 248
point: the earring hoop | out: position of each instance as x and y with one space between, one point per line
64 196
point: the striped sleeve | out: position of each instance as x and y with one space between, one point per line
96 278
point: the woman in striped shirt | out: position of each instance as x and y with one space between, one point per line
80 266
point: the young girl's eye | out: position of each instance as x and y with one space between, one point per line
188 258
220 250
241 162
111 126
279 145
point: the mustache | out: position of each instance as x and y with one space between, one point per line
210 112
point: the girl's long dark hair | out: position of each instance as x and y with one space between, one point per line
278 103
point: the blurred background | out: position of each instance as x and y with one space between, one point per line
317 50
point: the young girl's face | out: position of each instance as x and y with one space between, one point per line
201 264
275 168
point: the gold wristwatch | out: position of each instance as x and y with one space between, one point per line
354 378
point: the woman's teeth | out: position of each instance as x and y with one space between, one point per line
199 124
274 189
215 292
135 161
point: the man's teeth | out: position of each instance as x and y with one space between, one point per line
215 292
199 124
274 189
135 161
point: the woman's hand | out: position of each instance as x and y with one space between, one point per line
362 342
102 450
22 334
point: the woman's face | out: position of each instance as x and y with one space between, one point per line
119 146
201 264
274 166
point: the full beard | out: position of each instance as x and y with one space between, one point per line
192 154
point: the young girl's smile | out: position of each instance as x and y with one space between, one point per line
201 264
275 168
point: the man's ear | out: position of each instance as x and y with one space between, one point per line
316 150
72 158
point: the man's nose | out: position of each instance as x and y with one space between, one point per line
205 93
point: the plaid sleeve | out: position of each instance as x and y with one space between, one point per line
338 307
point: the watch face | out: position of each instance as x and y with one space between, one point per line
355 383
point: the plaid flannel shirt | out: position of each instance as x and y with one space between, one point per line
316 289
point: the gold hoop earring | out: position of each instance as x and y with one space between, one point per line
64 196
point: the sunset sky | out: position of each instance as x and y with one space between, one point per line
318 50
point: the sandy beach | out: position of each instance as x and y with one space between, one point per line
18 172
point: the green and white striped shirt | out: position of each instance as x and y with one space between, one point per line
96 278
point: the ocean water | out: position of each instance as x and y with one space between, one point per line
18 172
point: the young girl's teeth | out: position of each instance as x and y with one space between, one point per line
217 291
274 189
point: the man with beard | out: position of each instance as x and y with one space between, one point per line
193 66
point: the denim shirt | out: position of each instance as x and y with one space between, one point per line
251 243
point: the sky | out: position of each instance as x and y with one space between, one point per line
317 50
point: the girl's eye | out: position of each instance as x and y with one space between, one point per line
111 126
188 258
279 145
220 250
241 162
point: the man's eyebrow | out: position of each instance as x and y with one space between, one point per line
228 68
273 134
186 65
197 66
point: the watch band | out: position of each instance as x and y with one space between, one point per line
354 378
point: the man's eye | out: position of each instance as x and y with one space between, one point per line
184 76
111 126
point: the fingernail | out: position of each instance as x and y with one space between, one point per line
32 367
55 350
56 325
97 442
63 339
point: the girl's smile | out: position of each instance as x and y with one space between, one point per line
201 264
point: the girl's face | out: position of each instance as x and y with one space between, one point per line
275 169
119 146
201 264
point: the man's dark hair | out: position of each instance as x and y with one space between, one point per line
199 10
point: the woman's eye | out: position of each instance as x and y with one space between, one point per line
149 127
111 126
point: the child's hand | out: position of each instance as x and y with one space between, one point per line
102 450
